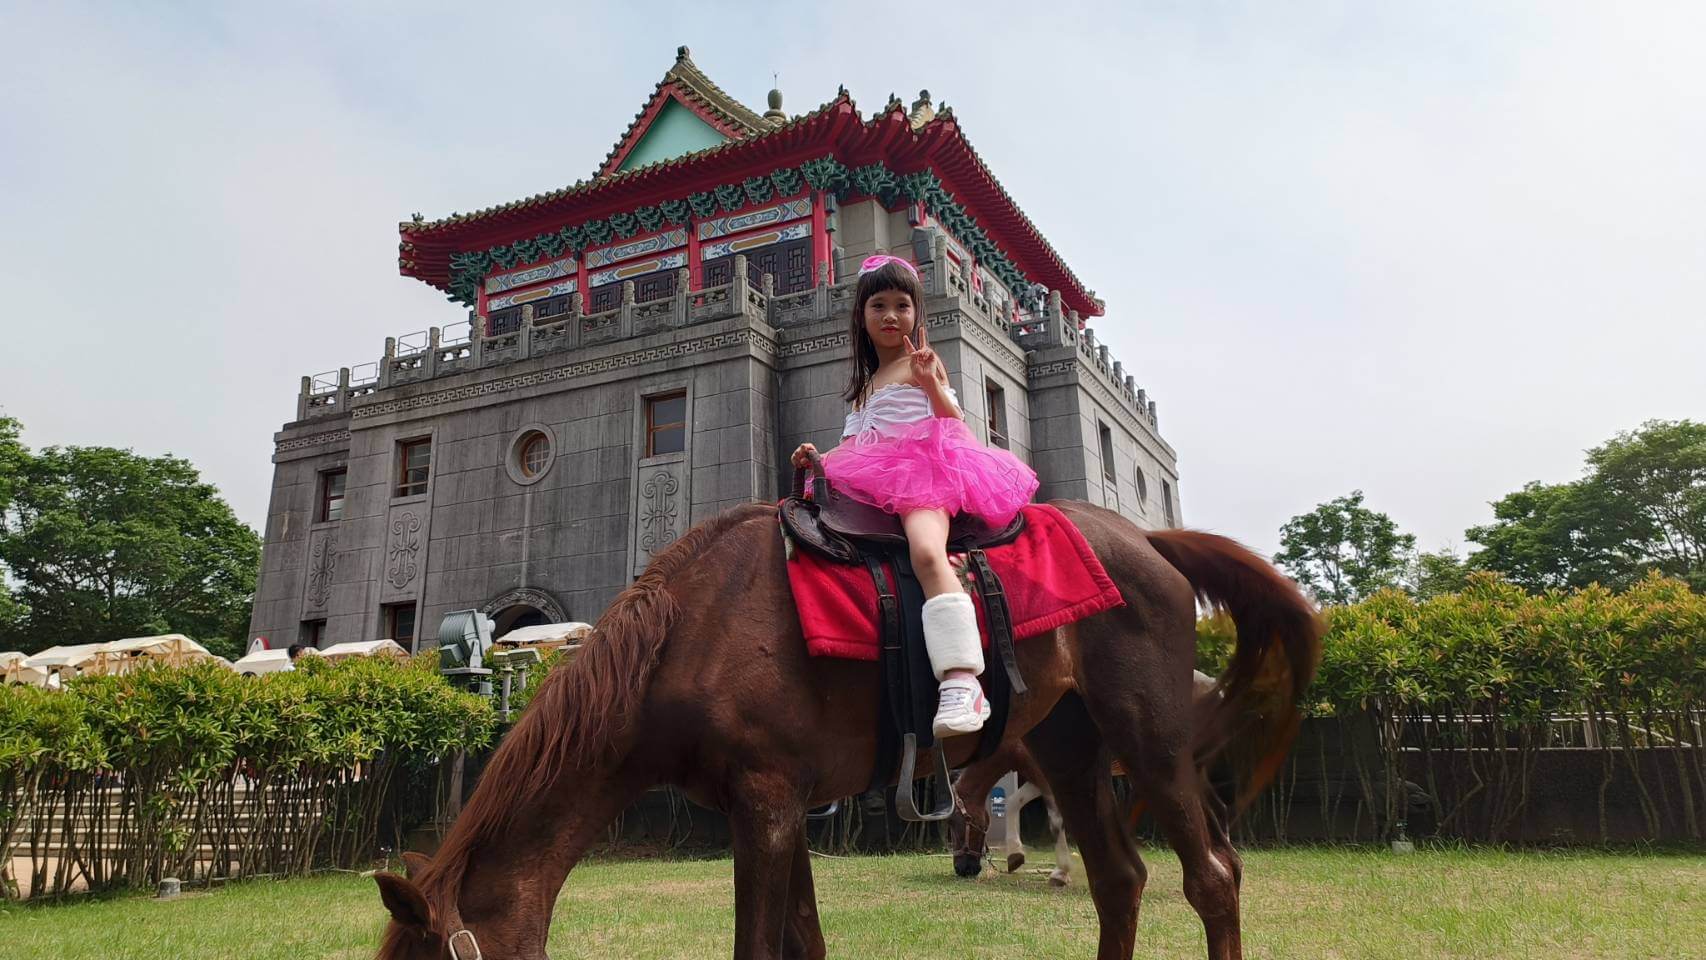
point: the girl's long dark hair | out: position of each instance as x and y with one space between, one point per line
889 276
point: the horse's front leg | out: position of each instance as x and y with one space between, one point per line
802 937
766 817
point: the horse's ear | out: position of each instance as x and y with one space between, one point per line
407 904
414 863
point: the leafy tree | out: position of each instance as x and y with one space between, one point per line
1659 473
1549 536
1437 574
103 544
1342 551
12 613
1641 506
13 455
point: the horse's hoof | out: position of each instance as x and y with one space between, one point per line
1058 879
1014 862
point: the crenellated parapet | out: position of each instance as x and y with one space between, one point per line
1054 327
467 346
1035 321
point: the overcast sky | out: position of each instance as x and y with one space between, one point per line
1429 250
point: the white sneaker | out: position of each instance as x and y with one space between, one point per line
960 707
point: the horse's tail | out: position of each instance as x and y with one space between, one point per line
1279 645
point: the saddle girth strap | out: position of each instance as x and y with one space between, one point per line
1000 618
999 685
893 694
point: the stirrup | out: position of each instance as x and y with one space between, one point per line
905 795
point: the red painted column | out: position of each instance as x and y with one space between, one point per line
696 269
820 240
480 307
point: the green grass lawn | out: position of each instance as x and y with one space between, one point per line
1303 903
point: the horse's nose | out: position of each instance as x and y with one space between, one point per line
968 864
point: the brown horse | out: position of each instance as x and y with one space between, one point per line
698 676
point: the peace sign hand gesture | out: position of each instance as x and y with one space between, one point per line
923 362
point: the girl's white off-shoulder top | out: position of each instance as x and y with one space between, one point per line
890 408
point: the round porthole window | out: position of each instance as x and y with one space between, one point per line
531 453
535 453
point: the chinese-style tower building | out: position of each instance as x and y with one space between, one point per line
643 349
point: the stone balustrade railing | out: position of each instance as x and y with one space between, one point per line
465 346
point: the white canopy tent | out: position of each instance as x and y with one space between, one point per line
15 668
118 656
364 648
56 663
263 661
57 658
172 649
546 635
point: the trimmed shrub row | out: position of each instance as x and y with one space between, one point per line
200 772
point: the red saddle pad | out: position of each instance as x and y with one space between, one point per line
1049 573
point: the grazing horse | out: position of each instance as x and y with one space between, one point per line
968 827
698 676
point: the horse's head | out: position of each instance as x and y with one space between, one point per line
415 932
419 931
968 837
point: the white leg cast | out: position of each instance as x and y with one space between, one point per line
950 634
950 637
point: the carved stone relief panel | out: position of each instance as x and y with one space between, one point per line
661 512
403 565
322 567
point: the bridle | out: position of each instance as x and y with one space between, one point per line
470 952
962 849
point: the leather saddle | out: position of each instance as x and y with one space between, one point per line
847 531
832 524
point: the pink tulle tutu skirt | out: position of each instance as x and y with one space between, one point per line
936 462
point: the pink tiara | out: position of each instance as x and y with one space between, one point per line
881 260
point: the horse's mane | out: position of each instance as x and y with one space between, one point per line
578 717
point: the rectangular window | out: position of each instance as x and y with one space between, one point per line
657 285
1167 503
666 424
789 263
550 308
1107 449
503 322
332 495
400 624
313 632
995 402
414 460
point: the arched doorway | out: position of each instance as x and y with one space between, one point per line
526 607
516 617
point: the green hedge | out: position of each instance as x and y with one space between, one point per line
1492 675
199 771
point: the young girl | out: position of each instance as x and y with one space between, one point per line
906 448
